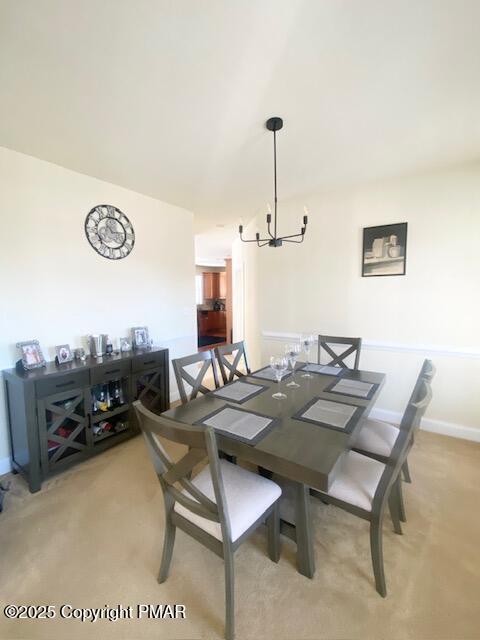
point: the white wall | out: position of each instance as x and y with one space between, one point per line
56 288
432 311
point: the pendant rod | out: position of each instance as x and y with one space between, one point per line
275 181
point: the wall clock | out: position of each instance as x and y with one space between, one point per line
109 231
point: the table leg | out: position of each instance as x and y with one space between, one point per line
303 525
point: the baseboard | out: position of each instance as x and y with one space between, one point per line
5 466
428 424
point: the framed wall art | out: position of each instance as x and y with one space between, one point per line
384 250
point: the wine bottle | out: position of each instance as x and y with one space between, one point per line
116 395
102 401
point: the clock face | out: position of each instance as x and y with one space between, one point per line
110 232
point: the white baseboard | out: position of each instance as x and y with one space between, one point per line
5 466
435 426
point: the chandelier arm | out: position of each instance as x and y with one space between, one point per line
270 233
294 235
294 241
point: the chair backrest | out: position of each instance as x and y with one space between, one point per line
410 422
327 344
202 444
207 358
230 368
427 372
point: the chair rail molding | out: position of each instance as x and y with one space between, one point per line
377 345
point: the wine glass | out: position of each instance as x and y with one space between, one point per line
279 365
292 351
307 341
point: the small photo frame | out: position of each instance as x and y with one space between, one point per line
125 344
32 356
63 354
385 250
140 337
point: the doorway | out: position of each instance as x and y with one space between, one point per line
213 286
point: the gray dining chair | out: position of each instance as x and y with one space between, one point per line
229 357
195 382
364 486
220 507
376 438
327 344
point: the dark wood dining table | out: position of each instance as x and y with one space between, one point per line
307 455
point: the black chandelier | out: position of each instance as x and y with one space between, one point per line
275 124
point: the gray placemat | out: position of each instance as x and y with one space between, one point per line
239 391
323 368
335 414
267 373
330 414
353 387
238 423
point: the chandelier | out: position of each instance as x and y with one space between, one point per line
275 124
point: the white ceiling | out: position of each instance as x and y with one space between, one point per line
169 98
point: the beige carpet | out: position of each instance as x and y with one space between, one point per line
93 536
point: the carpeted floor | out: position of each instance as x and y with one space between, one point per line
93 536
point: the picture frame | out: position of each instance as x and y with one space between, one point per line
32 355
384 250
63 354
140 339
125 344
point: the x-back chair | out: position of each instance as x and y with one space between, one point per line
326 344
365 486
220 507
230 369
207 358
376 438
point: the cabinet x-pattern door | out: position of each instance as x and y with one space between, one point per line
64 427
148 389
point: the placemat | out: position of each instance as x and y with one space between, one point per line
353 388
239 391
324 369
267 373
331 414
247 426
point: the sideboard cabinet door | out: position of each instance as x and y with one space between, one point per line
64 431
149 387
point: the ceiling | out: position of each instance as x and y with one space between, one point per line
169 98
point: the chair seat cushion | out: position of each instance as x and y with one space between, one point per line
377 437
357 480
247 495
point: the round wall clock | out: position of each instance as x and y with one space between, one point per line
110 232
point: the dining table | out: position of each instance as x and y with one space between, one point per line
308 435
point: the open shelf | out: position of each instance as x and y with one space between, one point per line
110 434
105 415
